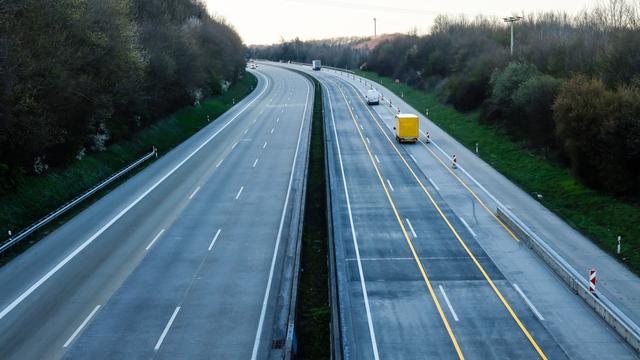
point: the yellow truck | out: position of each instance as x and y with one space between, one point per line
407 128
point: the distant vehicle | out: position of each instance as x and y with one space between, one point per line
252 66
316 65
373 97
407 128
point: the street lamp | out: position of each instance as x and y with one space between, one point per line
512 20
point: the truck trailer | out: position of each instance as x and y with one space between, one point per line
407 128
316 65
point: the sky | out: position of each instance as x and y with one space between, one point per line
268 21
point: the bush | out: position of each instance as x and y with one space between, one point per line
534 101
601 133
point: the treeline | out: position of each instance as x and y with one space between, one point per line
570 91
346 52
76 75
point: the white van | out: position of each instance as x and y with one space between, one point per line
373 97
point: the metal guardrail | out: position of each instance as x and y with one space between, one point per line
609 312
64 208
605 308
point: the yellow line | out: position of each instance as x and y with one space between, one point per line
464 245
407 238
473 193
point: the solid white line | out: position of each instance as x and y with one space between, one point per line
526 299
265 300
219 163
214 239
372 333
239 192
411 228
75 252
79 329
254 163
414 159
154 240
390 186
166 329
446 299
378 160
234 145
265 145
468 227
194 193
434 184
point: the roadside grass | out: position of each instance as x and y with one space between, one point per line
599 217
39 195
314 315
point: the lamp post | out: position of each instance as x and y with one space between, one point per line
375 30
512 20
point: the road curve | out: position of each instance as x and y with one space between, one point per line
424 270
183 260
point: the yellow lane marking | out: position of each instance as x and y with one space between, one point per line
464 245
407 238
473 193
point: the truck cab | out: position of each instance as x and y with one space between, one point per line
407 128
316 65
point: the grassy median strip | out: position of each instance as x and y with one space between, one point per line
39 195
314 315
598 216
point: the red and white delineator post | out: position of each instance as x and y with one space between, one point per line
592 281
454 162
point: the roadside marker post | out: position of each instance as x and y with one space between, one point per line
455 162
619 247
428 138
592 281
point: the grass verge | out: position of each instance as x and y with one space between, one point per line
599 217
39 195
313 312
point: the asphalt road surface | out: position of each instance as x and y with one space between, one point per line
424 268
183 260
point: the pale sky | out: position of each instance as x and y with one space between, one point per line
266 21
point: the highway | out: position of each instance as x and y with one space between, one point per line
187 259
424 269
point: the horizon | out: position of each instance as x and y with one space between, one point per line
290 19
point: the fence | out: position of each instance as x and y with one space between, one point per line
64 208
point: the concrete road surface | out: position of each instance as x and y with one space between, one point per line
185 259
424 269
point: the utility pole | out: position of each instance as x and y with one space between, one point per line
512 20
375 31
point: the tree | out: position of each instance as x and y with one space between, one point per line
534 100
